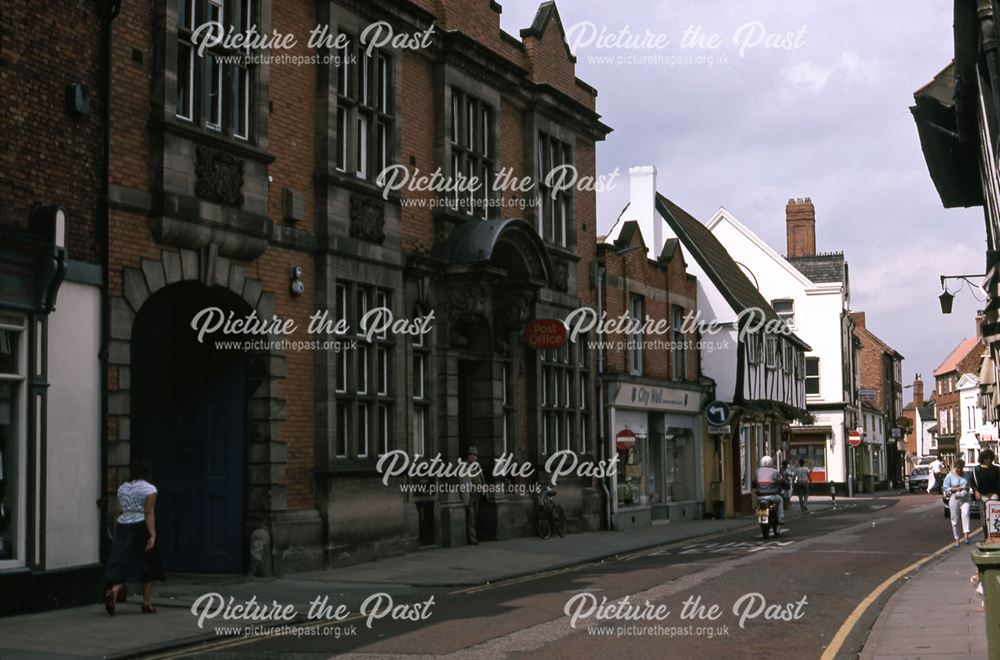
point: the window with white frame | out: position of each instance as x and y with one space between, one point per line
678 348
812 375
771 355
785 309
363 378
473 152
215 89
564 400
555 206
13 372
421 395
637 317
365 109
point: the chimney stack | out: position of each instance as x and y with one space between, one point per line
980 317
642 207
800 223
918 392
859 320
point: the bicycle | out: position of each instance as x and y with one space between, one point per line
550 515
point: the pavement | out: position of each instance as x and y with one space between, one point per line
901 631
936 614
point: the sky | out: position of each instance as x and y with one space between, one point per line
827 118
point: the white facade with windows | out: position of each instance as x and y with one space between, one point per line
818 313
976 433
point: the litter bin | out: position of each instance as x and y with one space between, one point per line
986 557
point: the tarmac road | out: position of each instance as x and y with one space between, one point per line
794 592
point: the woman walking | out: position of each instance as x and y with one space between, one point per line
135 556
956 487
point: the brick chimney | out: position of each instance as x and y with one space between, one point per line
918 392
859 320
800 223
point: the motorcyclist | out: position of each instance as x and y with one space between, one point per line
769 485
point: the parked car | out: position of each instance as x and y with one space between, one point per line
919 478
974 506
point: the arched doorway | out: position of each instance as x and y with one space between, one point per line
189 404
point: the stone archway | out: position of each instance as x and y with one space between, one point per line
265 409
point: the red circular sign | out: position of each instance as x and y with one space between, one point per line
625 439
854 438
545 334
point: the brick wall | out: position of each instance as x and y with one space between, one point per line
48 154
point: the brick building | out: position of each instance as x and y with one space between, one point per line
880 369
253 186
652 380
965 358
52 82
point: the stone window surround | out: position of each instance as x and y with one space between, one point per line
538 123
165 14
453 78
338 18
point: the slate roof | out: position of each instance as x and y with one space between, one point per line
927 411
821 268
717 263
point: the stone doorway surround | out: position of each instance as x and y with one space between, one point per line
265 450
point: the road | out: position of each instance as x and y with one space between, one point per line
791 593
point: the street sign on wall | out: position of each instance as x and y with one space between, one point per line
869 394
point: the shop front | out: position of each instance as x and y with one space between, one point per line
656 436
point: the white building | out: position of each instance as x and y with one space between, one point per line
761 372
976 434
812 293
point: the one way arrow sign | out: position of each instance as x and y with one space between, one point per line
717 413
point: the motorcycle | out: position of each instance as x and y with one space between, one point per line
767 517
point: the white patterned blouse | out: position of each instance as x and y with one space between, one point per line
132 500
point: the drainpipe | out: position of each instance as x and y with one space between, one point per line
113 7
605 456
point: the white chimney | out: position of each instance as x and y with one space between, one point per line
642 207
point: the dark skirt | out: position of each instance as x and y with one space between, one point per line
129 561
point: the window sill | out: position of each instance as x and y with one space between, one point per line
182 128
352 182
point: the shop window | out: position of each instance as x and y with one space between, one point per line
365 109
13 352
679 464
812 375
637 316
630 462
555 207
678 349
215 90
473 153
363 377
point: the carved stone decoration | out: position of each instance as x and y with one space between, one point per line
467 304
367 219
511 313
560 276
218 176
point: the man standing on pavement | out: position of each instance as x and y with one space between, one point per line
471 492
937 475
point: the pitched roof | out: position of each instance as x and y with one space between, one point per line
957 355
821 268
927 411
878 342
717 263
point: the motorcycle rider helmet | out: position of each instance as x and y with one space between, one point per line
766 461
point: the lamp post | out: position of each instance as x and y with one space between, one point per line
947 298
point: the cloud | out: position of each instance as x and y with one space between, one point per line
849 68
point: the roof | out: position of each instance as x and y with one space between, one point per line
717 263
927 411
957 355
821 268
878 342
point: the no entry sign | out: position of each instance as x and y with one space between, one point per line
854 438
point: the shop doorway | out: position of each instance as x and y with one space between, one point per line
188 421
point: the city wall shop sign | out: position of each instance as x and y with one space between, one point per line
648 397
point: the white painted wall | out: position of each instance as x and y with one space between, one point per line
73 457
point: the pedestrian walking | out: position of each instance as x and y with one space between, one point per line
470 493
937 475
135 555
802 484
959 493
986 485
788 474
